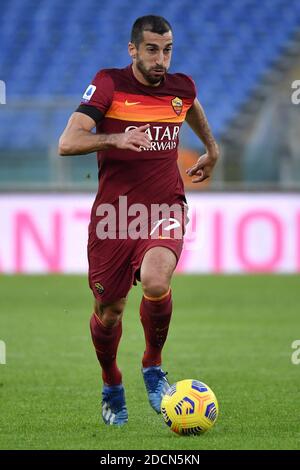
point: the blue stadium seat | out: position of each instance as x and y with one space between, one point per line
51 50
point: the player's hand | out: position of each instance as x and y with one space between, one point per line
204 166
134 139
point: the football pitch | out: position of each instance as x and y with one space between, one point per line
232 332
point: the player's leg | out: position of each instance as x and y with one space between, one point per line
110 278
155 311
156 307
106 331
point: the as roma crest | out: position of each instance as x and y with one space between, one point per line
177 105
99 288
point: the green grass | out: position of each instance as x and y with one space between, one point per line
234 333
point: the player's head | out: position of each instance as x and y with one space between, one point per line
151 47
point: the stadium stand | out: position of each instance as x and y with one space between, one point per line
51 50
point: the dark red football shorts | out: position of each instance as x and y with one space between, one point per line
114 264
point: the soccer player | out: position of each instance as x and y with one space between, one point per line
137 112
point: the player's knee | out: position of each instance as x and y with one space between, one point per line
110 315
155 287
111 319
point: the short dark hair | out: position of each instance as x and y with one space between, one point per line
155 24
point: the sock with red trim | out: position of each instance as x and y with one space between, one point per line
155 316
106 342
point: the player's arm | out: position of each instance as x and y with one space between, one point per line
78 138
197 120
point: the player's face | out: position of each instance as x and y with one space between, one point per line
151 60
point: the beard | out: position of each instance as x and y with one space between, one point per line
149 74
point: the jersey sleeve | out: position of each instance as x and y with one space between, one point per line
191 90
188 88
193 87
98 96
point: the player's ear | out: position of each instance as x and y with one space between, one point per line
132 50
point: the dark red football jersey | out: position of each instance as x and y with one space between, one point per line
150 176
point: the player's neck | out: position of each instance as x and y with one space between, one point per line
140 78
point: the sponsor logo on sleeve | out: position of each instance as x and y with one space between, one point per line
89 92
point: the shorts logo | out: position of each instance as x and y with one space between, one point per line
99 288
89 92
175 224
177 105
